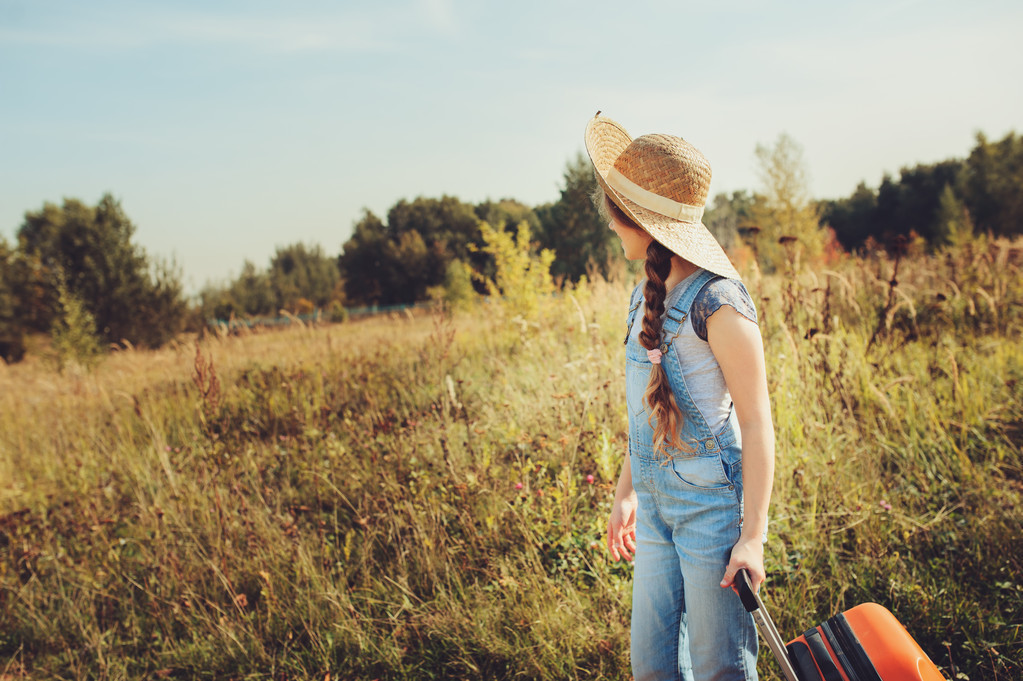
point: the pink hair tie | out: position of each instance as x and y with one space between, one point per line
654 356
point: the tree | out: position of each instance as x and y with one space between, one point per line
253 293
401 260
854 218
303 272
412 267
127 296
573 228
954 226
249 295
506 214
785 208
457 292
727 215
992 184
12 328
362 260
918 196
74 330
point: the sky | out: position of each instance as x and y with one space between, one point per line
230 128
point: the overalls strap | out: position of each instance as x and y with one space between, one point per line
634 301
676 316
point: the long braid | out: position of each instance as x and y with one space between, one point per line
665 416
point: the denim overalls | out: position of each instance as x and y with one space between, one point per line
684 625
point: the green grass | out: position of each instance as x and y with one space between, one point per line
342 500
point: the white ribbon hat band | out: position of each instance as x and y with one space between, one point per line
651 201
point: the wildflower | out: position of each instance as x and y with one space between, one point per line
885 505
589 479
167 448
518 485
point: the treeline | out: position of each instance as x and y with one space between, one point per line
422 249
941 203
75 274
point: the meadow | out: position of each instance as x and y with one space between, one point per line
423 496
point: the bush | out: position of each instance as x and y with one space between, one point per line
74 331
457 292
337 313
522 275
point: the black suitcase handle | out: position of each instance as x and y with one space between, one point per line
751 601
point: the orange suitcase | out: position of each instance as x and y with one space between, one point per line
864 643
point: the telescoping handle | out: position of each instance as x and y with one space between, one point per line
751 601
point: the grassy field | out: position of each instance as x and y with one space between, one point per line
411 497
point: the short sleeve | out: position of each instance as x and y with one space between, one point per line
713 295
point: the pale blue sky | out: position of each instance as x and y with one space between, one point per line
229 128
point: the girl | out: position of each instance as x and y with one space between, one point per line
692 499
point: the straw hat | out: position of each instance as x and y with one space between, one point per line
661 182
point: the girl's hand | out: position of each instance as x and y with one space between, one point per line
621 528
749 554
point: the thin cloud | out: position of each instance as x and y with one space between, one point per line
440 15
379 30
355 34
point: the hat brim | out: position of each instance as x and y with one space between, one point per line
605 141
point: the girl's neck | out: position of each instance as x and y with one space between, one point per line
680 269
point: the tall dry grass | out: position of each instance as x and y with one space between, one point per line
408 497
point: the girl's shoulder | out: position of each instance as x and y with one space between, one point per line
715 293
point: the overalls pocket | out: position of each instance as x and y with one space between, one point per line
703 472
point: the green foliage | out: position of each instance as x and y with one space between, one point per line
400 261
75 342
369 277
787 217
953 223
248 295
12 329
992 184
911 205
727 215
337 313
507 213
854 219
573 228
457 293
129 297
303 272
299 279
411 264
522 276
988 185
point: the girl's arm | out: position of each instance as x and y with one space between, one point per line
621 526
739 350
